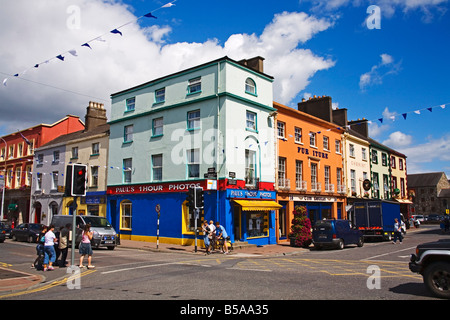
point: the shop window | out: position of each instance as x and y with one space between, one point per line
189 219
125 215
257 224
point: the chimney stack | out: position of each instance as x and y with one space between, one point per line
256 63
319 107
95 115
360 126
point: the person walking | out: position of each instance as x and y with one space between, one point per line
205 228
222 234
49 248
397 231
63 244
85 246
39 261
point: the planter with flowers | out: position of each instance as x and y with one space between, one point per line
300 235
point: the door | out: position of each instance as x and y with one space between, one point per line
237 222
282 225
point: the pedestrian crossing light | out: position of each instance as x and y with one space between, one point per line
199 198
78 180
191 198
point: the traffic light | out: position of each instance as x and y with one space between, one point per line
199 198
191 198
78 180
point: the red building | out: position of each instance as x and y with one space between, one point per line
17 156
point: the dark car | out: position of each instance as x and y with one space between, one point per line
26 232
7 229
2 234
432 261
336 233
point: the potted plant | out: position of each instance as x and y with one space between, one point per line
300 235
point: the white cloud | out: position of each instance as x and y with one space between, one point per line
376 74
420 156
388 7
398 139
376 130
120 62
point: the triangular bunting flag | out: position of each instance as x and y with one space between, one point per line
60 57
417 112
149 15
115 31
430 109
381 120
404 115
86 45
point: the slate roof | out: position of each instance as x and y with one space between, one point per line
430 179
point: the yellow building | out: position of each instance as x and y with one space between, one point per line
90 147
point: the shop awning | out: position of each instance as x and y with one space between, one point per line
258 205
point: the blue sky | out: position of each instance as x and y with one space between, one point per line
312 47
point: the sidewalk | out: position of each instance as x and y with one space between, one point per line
254 251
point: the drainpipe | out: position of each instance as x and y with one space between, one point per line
217 142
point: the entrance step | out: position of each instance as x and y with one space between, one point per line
242 244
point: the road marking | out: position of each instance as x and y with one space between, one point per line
247 269
388 253
155 265
48 286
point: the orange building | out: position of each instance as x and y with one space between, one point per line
309 167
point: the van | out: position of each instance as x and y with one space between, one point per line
104 234
336 233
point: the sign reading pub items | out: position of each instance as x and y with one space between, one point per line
155 188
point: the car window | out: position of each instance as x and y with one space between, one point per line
323 226
97 221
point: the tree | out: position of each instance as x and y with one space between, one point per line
300 235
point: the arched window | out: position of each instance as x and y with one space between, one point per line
250 86
53 208
125 215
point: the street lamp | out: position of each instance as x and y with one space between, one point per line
4 180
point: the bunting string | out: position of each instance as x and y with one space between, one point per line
392 117
73 52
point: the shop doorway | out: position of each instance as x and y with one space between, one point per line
282 223
37 212
237 223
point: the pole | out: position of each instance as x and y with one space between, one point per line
4 180
157 233
74 231
196 231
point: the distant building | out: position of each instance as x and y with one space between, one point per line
430 192
88 146
17 152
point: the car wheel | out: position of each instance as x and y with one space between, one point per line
340 244
14 237
30 239
437 279
360 242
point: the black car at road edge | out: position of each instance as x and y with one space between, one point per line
432 261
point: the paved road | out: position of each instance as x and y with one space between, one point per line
377 271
